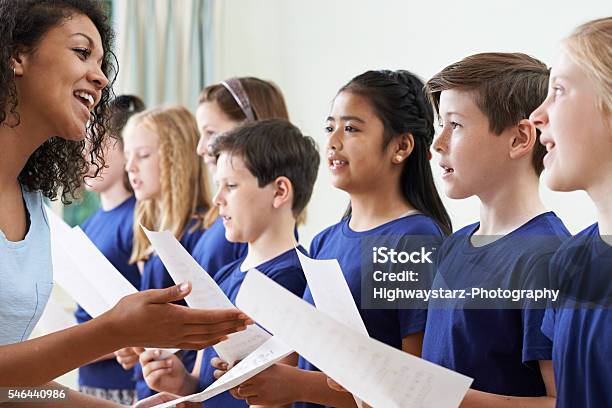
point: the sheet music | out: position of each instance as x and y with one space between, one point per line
331 293
206 294
378 374
269 353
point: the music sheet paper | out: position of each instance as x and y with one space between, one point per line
378 374
206 294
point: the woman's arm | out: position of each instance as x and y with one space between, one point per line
143 319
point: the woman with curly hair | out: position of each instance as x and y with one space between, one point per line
55 61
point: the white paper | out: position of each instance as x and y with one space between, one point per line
85 273
330 291
67 273
331 294
111 284
269 353
205 294
378 374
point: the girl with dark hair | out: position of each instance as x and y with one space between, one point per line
379 131
55 61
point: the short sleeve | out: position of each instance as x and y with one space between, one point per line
536 346
411 321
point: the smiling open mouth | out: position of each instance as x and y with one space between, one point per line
85 98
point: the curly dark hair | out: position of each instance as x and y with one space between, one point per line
58 165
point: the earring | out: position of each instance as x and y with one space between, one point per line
398 158
14 72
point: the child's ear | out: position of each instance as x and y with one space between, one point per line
403 148
523 139
283 192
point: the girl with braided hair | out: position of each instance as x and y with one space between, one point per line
379 132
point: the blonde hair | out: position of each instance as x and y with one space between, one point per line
184 180
590 47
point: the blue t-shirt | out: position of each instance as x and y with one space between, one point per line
499 348
285 269
213 251
112 233
582 337
339 242
155 276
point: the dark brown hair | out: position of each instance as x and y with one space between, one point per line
274 148
506 87
58 165
266 99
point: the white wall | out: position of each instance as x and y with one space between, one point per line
311 48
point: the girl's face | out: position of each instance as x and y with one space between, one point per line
576 134
113 172
141 149
211 122
355 156
245 208
61 81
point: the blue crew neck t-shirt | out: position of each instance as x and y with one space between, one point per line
112 233
340 242
213 251
581 335
499 348
155 276
284 269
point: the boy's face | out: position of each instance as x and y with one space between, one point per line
246 208
472 157
573 130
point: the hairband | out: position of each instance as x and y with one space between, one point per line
234 87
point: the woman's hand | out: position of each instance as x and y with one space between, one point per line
148 319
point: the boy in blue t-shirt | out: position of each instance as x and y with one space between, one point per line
489 149
266 172
576 125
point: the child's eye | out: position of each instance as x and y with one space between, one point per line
230 185
557 90
350 129
455 125
328 129
143 155
84 53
